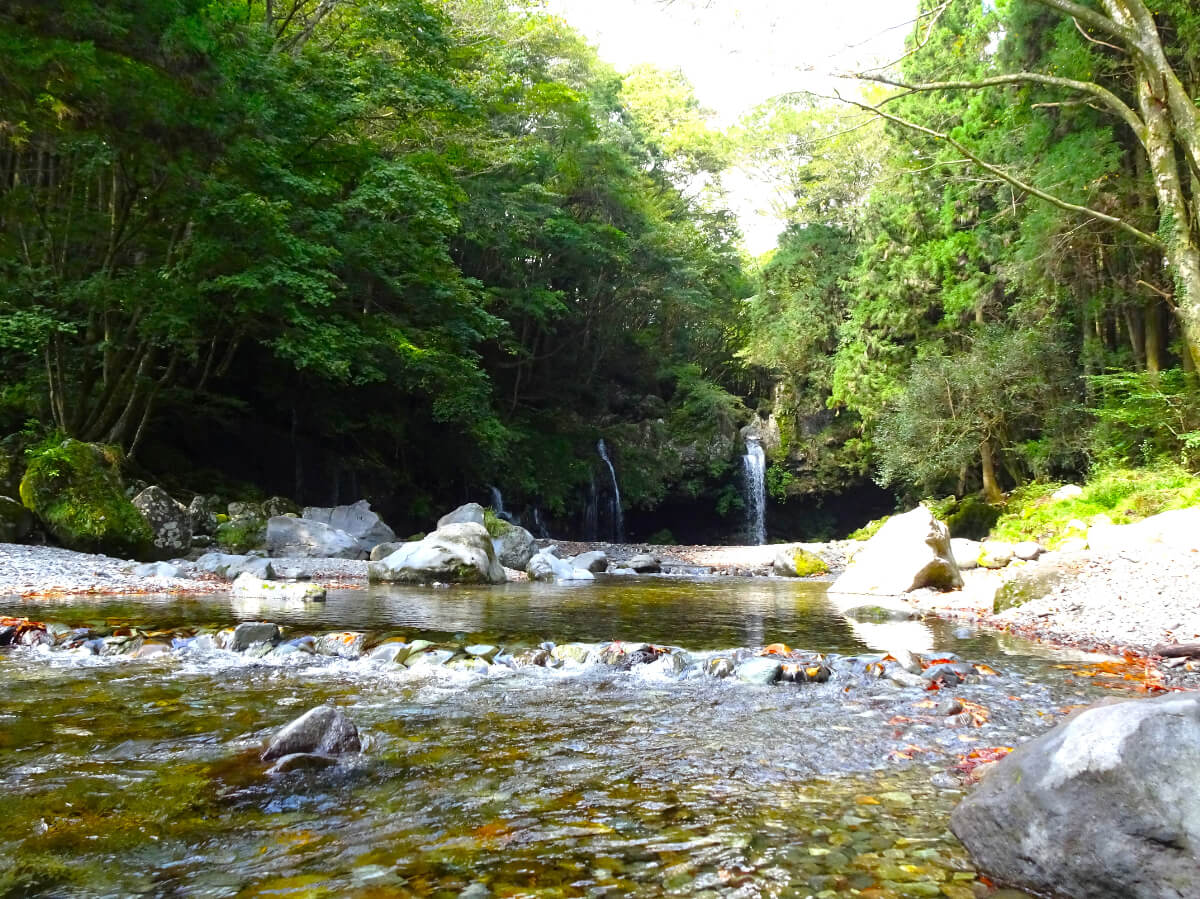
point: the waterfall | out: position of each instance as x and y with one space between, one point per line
539 528
498 504
754 472
618 521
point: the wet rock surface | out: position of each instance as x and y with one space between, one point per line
321 731
1102 806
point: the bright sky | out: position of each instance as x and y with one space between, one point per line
738 53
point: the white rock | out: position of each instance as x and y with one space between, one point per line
249 586
308 538
966 553
910 551
455 553
468 512
1027 550
1073 545
1178 529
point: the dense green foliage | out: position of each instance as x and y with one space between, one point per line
411 249
396 248
959 333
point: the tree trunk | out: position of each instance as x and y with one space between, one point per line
1154 336
991 489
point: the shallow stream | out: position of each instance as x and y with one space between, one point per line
126 776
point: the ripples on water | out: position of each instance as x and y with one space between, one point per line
140 777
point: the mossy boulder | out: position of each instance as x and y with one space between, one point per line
240 535
1032 582
796 561
75 490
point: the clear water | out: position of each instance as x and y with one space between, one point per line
125 777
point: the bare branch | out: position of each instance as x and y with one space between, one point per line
1090 16
1145 238
937 15
1111 100
1095 40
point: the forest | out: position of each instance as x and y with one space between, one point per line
417 250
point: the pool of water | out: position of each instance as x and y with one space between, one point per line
124 776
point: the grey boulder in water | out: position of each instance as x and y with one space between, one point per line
514 545
323 730
1101 807
909 552
456 553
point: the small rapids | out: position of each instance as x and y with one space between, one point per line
589 766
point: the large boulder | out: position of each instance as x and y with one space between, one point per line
456 553
75 490
16 522
357 520
910 551
514 545
468 512
305 538
168 519
324 730
1101 807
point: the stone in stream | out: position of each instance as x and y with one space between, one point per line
546 566
645 563
595 561
759 670
346 645
484 651
248 633
572 652
301 761
250 586
910 551
796 561
514 545
394 651
324 730
1103 806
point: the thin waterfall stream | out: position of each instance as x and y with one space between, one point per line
754 472
618 520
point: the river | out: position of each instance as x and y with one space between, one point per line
140 777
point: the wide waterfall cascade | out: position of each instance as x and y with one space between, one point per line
618 520
754 473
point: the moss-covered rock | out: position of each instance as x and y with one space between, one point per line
973 518
75 490
1029 583
796 561
241 535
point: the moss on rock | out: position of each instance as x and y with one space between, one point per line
75 490
241 534
808 564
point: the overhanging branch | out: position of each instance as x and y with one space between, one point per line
1107 97
1148 239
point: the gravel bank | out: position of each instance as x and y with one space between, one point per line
725 560
47 570
1130 600
42 570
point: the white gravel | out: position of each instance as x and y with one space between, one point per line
34 570
1136 599
41 570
